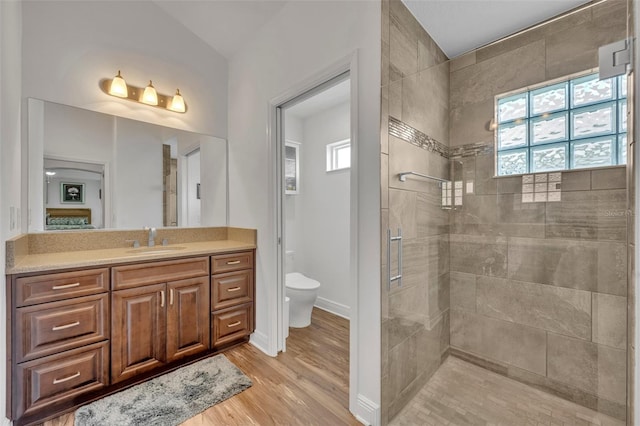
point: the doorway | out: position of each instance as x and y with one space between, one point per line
314 178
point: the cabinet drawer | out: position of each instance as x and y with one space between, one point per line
233 288
158 272
231 262
61 377
232 324
52 287
53 327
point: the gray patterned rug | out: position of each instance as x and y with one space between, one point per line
170 399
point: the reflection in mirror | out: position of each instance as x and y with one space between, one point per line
89 170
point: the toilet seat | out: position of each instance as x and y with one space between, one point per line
297 281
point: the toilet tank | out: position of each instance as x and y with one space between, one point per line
289 265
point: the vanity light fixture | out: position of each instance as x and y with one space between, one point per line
150 96
177 103
119 88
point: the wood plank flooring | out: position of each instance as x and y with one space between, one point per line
461 394
307 385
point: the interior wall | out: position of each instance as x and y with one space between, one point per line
415 137
304 39
69 46
323 241
539 290
11 170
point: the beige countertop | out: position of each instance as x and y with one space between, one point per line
50 251
89 258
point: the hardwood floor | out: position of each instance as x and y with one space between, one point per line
307 385
462 394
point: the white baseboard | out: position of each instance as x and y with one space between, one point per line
333 307
368 411
260 341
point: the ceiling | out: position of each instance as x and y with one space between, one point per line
458 26
225 25
329 98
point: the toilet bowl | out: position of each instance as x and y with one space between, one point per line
303 292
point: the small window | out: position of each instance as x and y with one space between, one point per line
574 124
339 155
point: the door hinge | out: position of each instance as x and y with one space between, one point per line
616 58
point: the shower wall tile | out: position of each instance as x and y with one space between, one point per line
478 255
532 35
511 343
425 102
463 291
402 213
561 310
576 49
576 181
470 124
591 215
405 157
431 218
597 369
403 365
395 99
438 297
463 61
415 264
513 70
384 183
403 41
400 329
384 120
485 182
429 53
610 320
510 185
582 265
611 178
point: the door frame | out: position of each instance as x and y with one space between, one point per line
348 64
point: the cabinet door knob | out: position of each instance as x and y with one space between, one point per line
233 324
61 287
233 262
66 379
62 327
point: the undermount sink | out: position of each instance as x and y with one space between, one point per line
155 250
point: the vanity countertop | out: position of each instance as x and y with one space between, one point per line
24 256
89 258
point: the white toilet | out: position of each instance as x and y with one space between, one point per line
303 292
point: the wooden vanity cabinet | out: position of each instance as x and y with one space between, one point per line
156 324
81 334
233 287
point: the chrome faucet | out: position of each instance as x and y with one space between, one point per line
152 236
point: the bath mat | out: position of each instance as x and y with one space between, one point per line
169 399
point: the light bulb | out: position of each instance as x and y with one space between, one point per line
150 97
177 103
118 87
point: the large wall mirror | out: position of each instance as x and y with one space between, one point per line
89 170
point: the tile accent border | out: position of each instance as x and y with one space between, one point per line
471 150
415 137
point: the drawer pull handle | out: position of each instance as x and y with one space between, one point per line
233 324
232 289
66 379
62 287
62 327
233 262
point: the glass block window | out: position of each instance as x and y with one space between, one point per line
575 124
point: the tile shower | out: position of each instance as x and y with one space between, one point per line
536 291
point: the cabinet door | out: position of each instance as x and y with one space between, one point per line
137 331
187 317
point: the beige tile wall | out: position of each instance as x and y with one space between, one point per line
415 90
539 290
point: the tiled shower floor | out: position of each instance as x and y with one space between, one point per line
460 393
